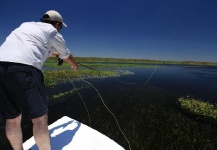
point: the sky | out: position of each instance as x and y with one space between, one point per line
180 30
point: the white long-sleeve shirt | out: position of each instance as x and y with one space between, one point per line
32 43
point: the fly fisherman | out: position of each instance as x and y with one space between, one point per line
22 89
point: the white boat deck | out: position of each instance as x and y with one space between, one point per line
69 134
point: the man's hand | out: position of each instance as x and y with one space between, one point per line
74 67
72 62
59 61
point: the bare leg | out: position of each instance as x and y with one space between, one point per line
41 133
14 132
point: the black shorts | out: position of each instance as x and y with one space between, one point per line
22 91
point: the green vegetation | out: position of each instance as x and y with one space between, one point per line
55 74
55 77
122 60
61 95
199 107
113 65
95 67
135 61
96 63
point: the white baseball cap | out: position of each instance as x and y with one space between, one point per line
53 15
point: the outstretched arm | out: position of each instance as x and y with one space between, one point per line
72 62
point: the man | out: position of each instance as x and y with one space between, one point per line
22 89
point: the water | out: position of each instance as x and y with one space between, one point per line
139 106
196 81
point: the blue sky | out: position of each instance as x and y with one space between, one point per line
183 30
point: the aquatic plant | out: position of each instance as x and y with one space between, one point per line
63 94
52 78
55 77
199 107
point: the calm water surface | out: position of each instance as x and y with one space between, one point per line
196 81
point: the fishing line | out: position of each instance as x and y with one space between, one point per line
83 102
155 68
108 110
121 82
102 102
102 98
89 67
79 96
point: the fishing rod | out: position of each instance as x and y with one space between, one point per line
60 62
89 67
155 68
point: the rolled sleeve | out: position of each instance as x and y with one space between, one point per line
59 44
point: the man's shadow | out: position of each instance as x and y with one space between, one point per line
62 135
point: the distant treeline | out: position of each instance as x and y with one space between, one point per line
124 60
97 59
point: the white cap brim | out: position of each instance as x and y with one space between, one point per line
64 25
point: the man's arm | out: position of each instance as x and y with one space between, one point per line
69 60
72 62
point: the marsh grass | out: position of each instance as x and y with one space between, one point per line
63 94
146 61
114 65
200 108
100 63
55 77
